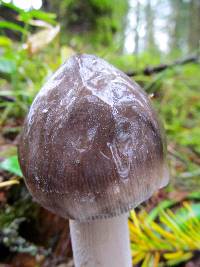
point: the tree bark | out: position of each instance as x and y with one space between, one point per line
194 32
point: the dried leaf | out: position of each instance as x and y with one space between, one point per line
41 39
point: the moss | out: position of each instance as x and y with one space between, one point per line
97 23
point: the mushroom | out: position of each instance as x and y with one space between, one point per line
92 149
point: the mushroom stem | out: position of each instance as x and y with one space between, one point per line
102 242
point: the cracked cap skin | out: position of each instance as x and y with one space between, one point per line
92 146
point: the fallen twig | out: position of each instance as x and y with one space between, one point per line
155 69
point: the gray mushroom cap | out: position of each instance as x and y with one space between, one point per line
91 146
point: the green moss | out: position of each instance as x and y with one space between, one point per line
94 24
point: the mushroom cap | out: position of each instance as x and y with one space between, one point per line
92 146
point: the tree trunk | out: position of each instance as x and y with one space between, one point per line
150 44
136 49
194 33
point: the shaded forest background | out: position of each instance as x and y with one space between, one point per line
146 22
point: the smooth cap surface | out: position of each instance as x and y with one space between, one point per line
92 146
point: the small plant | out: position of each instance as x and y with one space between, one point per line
165 237
21 73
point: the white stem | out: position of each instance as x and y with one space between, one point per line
101 243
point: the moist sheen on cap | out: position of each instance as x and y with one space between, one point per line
92 146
